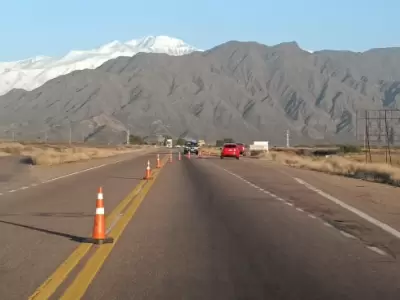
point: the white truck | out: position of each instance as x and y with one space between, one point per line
260 146
168 143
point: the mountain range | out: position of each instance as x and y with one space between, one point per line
31 73
241 90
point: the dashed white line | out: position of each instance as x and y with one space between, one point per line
328 224
24 187
348 235
12 191
363 215
377 250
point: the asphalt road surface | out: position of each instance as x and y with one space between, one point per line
41 226
203 231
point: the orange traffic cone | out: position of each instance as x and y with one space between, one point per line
148 171
189 154
99 230
158 161
179 156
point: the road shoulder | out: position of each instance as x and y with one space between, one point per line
375 200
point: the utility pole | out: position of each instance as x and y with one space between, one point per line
13 136
127 137
287 139
45 136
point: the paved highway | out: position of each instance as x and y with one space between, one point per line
201 229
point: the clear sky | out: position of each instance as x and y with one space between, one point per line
43 27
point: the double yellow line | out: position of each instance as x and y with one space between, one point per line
82 281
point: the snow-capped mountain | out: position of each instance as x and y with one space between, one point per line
31 73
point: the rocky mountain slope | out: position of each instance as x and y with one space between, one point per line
31 73
243 90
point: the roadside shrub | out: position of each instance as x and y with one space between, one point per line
349 148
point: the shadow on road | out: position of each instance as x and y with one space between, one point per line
66 235
26 160
121 177
51 214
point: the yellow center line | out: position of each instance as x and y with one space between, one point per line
51 284
82 281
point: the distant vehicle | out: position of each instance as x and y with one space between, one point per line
242 148
192 147
260 146
168 143
230 150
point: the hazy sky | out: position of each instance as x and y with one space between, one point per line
44 27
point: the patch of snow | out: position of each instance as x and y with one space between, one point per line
33 72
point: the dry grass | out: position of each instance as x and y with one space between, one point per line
377 157
46 154
339 165
211 150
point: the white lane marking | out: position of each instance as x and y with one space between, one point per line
64 176
348 235
74 173
256 187
377 250
354 210
299 209
328 225
383 226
